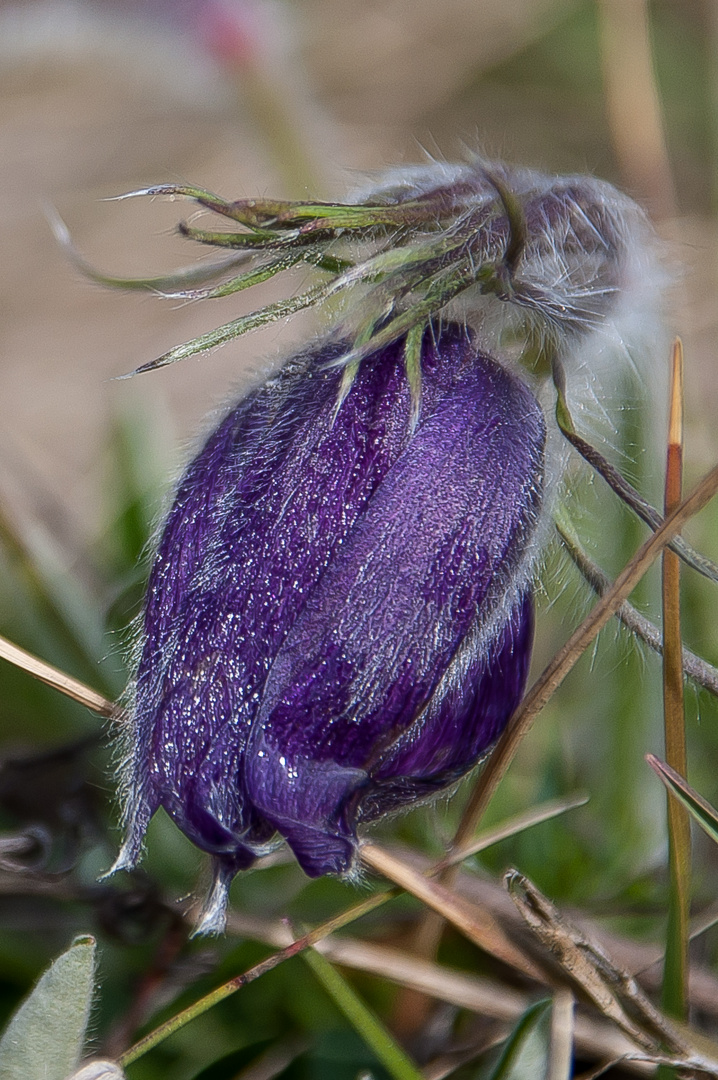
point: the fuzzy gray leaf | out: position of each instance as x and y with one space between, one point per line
45 1037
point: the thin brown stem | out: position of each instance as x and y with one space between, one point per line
52 676
476 923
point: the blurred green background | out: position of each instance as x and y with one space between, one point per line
302 98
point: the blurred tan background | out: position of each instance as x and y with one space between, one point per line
297 98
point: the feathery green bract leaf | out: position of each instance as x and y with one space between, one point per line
351 369
254 241
414 274
439 293
258 213
45 1038
197 274
236 328
242 211
412 363
349 374
243 281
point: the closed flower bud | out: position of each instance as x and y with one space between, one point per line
339 618
339 615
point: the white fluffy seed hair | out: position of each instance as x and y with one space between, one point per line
551 260
614 345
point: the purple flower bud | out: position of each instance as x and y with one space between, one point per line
338 619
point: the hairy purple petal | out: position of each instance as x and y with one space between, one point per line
337 619
427 565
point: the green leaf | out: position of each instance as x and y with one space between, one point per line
394 1059
705 814
526 1052
45 1037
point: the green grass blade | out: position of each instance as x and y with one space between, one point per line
365 1023
698 807
526 1053
68 613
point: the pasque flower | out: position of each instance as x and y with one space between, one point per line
339 616
338 619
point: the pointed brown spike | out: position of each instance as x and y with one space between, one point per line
675 978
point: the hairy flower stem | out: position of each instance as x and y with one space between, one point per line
697 669
618 483
565 659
